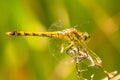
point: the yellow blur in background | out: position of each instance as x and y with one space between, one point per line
29 58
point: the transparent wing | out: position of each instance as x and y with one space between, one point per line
95 57
92 54
57 26
56 46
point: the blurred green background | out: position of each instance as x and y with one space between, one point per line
28 58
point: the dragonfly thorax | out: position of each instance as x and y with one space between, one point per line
73 35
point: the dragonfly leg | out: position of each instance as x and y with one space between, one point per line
63 48
69 46
70 50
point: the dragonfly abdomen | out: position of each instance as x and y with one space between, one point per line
21 33
41 34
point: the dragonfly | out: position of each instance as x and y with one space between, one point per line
77 47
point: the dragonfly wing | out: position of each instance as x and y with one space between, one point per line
56 48
57 26
92 54
95 56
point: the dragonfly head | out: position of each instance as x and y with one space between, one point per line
86 36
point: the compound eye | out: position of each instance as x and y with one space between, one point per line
86 36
